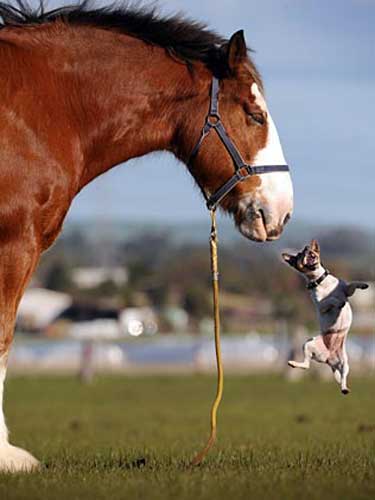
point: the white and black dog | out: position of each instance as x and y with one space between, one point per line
330 296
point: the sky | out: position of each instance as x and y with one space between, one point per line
317 60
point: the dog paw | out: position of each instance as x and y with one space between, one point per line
292 364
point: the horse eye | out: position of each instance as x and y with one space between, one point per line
258 118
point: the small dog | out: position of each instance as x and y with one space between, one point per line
330 296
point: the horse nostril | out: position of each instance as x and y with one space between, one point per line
262 214
287 219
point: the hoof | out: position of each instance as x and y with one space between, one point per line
13 459
345 391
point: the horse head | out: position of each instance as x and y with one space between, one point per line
260 204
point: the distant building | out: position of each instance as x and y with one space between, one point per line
56 315
39 307
92 277
86 321
90 321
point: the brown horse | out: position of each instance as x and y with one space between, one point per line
82 90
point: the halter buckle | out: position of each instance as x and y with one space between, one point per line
243 172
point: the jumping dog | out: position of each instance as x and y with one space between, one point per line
330 297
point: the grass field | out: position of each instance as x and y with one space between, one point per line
133 437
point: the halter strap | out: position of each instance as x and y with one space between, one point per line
242 169
315 283
214 104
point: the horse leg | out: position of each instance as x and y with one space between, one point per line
18 260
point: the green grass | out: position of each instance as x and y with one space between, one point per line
277 440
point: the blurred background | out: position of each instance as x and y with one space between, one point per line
127 286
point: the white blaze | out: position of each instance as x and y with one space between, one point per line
275 194
272 153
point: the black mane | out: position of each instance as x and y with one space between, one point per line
183 38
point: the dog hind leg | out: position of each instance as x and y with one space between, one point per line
308 353
345 372
340 369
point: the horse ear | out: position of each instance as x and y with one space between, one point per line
237 50
315 246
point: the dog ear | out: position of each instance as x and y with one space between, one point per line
314 245
289 259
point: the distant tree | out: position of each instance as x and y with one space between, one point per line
347 242
164 273
197 301
106 289
58 277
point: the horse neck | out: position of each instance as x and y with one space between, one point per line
133 99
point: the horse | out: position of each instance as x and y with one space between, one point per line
83 89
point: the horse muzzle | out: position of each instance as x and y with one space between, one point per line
260 225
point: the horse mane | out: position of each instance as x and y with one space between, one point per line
183 38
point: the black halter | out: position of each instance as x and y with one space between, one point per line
242 169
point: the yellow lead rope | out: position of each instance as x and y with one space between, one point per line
220 374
